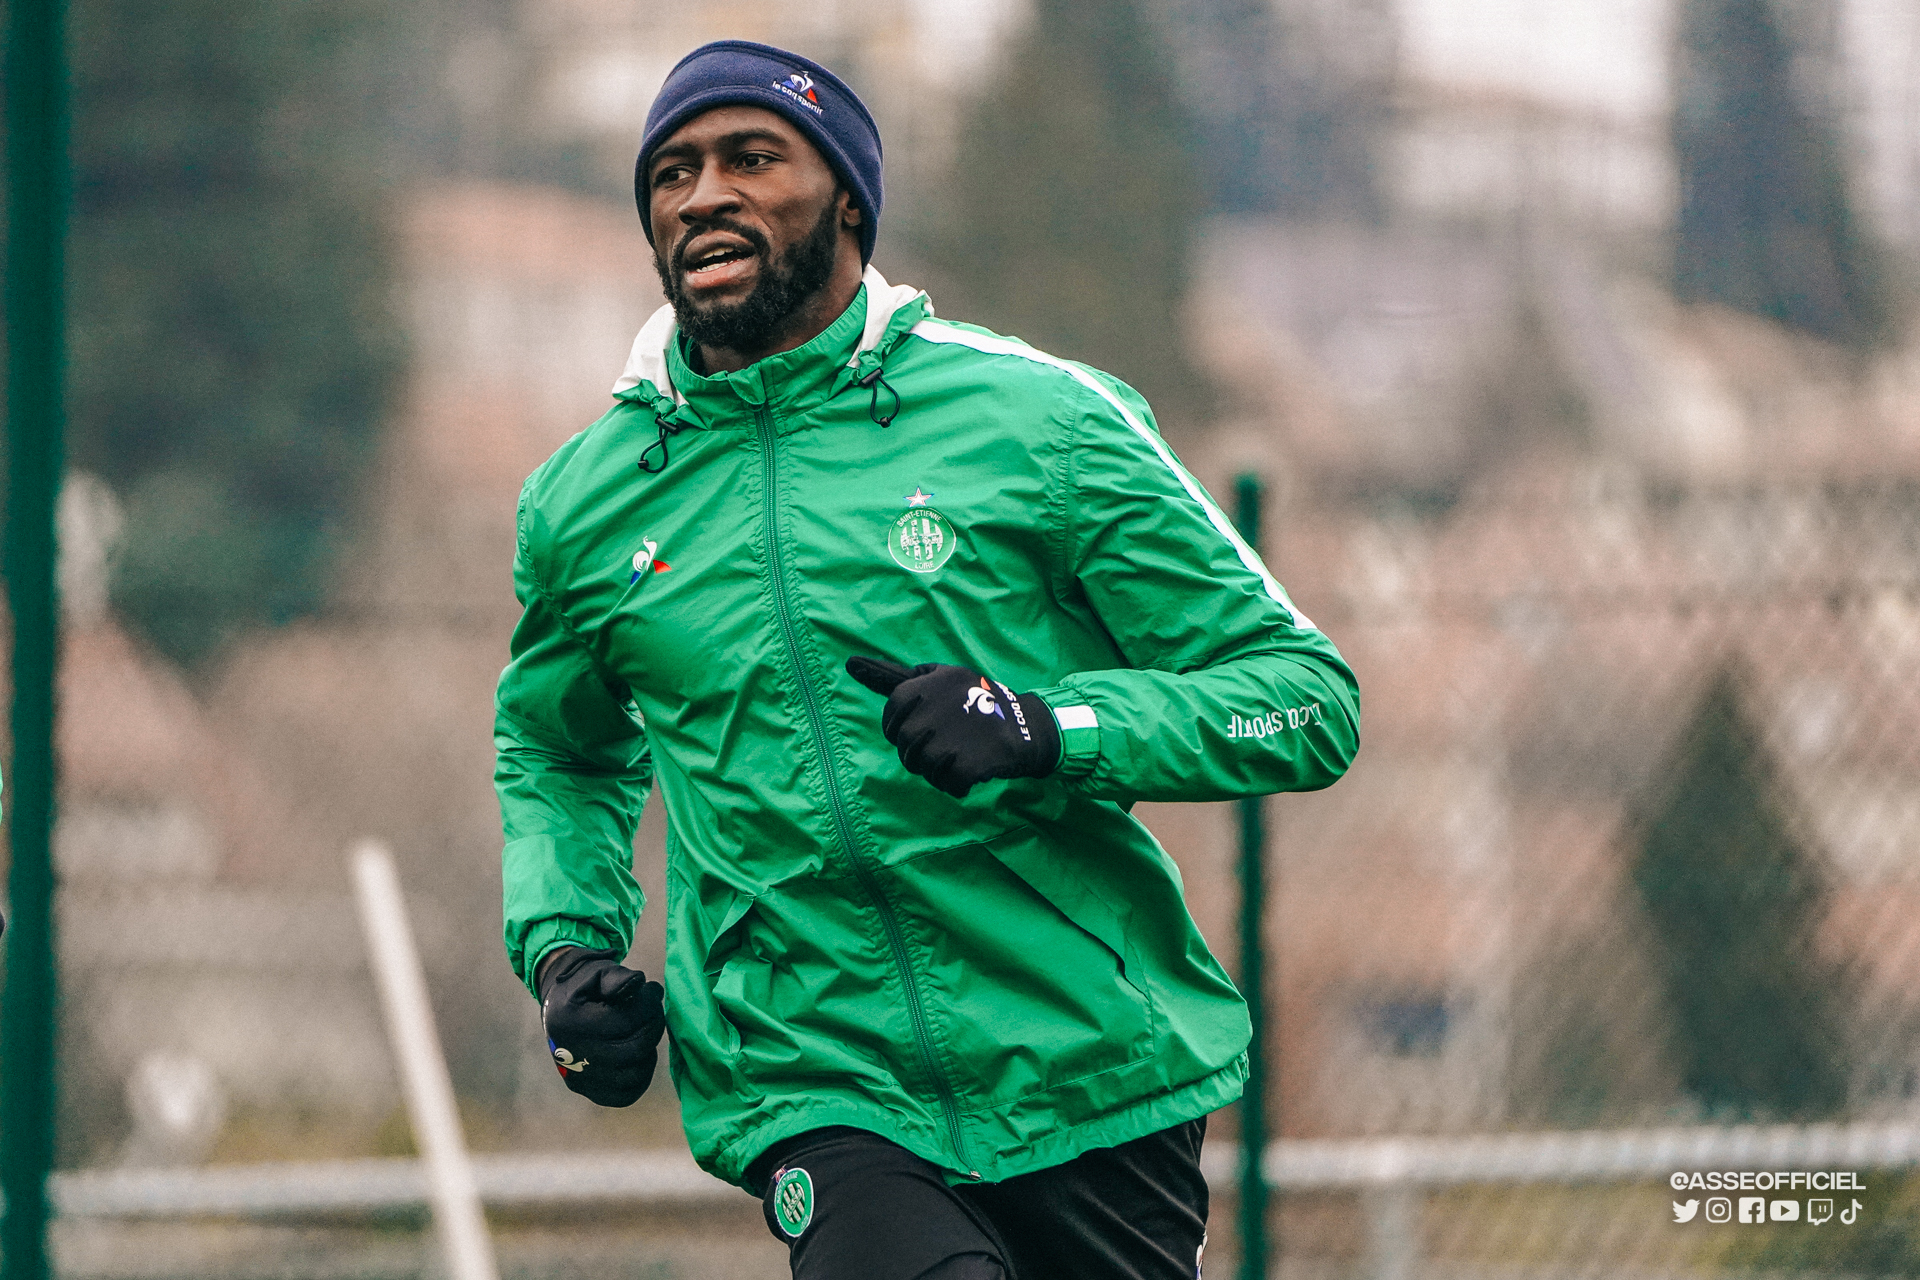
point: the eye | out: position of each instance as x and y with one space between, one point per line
755 160
669 174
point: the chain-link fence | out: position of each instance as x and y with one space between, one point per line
1629 846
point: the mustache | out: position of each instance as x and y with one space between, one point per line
749 234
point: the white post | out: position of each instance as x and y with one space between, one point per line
1393 1231
423 1067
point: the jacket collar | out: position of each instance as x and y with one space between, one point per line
891 311
787 383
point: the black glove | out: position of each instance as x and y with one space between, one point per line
603 1024
954 727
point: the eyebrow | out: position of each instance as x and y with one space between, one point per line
725 142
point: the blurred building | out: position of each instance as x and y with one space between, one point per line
1562 113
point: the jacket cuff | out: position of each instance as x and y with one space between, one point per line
554 932
1079 730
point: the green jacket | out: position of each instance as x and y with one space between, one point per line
996 983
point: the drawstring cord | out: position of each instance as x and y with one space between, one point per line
874 381
666 429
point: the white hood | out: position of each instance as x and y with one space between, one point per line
648 360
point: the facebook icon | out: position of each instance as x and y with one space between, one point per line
1753 1208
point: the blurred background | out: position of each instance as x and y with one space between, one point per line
1573 343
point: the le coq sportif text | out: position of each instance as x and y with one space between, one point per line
1268 723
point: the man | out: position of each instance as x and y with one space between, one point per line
904 616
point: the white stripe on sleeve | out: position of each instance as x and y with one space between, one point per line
938 331
1080 717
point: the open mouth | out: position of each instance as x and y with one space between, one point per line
718 264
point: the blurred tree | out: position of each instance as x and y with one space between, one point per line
233 353
1736 903
1765 222
1290 100
1075 200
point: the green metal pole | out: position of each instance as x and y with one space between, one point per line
1253 956
35 287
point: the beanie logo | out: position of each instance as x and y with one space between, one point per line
799 87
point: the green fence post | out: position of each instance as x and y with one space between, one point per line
35 287
1253 957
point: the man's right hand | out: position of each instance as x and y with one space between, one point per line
603 1022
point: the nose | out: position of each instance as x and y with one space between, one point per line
711 196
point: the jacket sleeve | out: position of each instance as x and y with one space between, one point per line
572 770
1233 691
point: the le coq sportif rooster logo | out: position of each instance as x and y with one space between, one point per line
565 1061
980 700
799 87
647 560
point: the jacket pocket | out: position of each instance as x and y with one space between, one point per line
713 921
1029 982
729 934
739 975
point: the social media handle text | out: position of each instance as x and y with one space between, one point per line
1765 1180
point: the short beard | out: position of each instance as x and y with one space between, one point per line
784 285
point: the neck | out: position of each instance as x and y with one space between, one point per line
805 323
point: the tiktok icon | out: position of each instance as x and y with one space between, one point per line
1851 1214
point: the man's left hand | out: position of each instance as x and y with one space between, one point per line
954 727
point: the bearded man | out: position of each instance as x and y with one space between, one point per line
903 616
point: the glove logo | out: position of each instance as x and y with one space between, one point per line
980 699
921 539
564 1060
793 1201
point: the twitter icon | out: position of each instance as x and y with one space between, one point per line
1685 1212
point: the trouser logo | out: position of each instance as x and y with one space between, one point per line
793 1201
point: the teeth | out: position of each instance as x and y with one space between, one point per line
717 257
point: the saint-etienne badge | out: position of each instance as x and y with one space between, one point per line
921 539
793 1201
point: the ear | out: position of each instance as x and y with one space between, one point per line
850 215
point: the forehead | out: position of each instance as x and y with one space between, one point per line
714 128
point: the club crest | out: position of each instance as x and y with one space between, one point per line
793 1201
921 539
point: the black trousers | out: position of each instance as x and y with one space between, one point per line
853 1206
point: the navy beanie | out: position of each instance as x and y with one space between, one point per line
734 73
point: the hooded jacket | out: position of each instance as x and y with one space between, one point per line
996 983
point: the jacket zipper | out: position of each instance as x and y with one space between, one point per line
896 940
